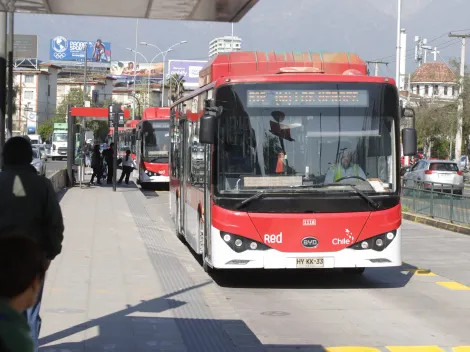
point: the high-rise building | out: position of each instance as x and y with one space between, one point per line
225 44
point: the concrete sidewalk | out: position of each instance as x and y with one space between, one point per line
125 283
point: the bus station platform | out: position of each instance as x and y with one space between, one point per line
125 282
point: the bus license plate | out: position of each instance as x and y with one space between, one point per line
310 263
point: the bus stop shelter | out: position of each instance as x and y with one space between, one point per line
191 10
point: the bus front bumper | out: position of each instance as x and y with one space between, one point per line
223 257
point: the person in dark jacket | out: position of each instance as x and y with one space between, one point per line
108 157
28 204
96 164
22 271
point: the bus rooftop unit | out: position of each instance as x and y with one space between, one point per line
289 160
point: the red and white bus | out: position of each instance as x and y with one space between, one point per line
151 147
257 158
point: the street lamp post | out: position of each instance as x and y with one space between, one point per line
164 60
149 71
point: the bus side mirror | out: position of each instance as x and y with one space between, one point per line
207 128
209 125
138 136
409 139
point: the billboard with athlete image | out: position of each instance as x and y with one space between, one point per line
63 49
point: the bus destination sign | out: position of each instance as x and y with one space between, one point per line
307 98
161 125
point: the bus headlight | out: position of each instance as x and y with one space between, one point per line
241 244
377 243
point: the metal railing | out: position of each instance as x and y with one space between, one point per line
436 200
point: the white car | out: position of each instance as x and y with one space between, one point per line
39 163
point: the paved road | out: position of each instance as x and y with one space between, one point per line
383 308
53 166
124 282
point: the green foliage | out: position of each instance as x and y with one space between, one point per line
99 128
74 98
177 86
47 127
436 124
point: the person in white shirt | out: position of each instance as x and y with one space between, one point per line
128 164
344 169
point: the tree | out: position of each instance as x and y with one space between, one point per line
47 127
74 98
177 86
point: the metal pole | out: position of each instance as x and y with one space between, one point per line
163 87
398 43
83 122
116 110
148 88
70 145
170 92
3 46
135 63
9 122
458 136
376 69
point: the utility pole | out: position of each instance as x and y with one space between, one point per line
135 65
458 136
398 43
377 63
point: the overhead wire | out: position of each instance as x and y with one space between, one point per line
430 41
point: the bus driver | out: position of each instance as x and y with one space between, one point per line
344 169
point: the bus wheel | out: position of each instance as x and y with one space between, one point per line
201 233
177 223
354 271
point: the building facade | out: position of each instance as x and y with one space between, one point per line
435 81
36 97
224 45
101 85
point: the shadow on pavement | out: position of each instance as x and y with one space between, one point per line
372 278
130 330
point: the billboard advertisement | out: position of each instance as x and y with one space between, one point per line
25 46
188 69
124 70
63 49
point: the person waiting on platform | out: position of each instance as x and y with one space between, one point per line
345 169
128 165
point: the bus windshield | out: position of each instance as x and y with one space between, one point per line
59 137
156 145
312 135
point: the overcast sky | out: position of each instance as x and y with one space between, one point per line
366 27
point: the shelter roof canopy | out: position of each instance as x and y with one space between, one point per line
194 10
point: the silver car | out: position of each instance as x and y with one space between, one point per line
39 162
42 150
439 175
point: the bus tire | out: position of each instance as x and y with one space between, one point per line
354 271
207 268
177 223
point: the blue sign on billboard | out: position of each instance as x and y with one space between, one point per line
188 69
63 49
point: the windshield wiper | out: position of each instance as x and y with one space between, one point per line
359 192
356 190
255 196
